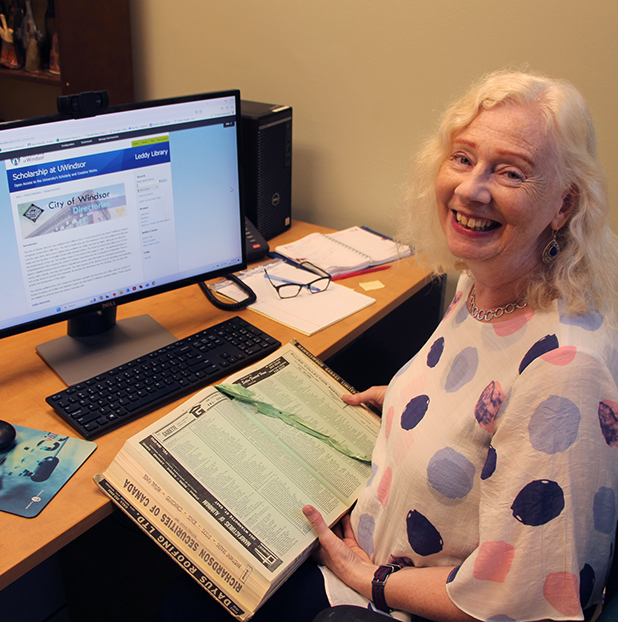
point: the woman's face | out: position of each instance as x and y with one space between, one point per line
498 193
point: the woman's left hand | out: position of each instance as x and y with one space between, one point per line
340 552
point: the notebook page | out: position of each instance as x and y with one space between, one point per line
326 252
380 249
307 313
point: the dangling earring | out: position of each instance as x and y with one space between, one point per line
550 252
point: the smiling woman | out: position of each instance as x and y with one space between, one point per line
543 158
499 199
495 475
494 487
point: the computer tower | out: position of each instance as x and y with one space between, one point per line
266 157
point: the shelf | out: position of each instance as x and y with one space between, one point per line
41 77
94 43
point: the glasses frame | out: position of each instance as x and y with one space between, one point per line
287 285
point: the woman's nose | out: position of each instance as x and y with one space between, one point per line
474 187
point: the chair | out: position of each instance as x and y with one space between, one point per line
609 613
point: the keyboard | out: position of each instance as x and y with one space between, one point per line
104 402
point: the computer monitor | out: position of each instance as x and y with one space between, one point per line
100 211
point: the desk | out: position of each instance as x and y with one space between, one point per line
25 381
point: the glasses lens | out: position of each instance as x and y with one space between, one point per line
289 290
319 286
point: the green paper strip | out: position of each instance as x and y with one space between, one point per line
248 397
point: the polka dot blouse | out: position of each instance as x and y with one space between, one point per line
498 455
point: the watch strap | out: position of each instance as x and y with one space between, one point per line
379 583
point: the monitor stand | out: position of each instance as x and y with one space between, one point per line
96 343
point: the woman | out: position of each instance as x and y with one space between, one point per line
495 472
496 468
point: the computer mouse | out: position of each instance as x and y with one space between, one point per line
7 435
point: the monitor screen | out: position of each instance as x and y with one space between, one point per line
99 211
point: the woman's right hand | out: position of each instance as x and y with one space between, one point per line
373 395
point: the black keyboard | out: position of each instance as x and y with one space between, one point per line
106 401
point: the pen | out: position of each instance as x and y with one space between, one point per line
338 277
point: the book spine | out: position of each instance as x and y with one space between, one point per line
204 563
324 367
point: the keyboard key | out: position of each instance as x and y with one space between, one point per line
100 404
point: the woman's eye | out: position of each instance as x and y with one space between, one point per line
461 159
515 176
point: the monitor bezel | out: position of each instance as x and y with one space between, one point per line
103 306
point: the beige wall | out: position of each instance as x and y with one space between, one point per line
367 79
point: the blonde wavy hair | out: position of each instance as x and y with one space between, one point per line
584 274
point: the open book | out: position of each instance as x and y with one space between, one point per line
220 483
343 251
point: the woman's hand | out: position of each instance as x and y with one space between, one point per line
373 395
340 552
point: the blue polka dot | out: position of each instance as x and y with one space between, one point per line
423 537
454 302
604 510
588 321
374 470
400 561
452 574
364 533
490 463
450 473
608 420
538 503
405 367
462 314
463 369
587 579
414 412
554 425
435 352
542 346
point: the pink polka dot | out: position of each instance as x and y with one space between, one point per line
493 561
404 442
509 327
560 356
454 302
384 488
561 591
389 421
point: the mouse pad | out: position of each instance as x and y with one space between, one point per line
36 466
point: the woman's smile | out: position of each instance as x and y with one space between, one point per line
475 223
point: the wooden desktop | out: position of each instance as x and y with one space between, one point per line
25 381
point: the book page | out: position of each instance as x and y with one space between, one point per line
253 474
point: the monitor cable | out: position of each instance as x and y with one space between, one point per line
230 306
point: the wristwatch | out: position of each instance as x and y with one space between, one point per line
378 584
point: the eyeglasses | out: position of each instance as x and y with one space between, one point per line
291 289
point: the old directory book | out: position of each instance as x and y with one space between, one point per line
220 482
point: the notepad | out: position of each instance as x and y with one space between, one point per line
307 313
344 251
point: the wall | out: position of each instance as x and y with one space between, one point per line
367 79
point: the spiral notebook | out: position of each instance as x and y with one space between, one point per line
344 251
